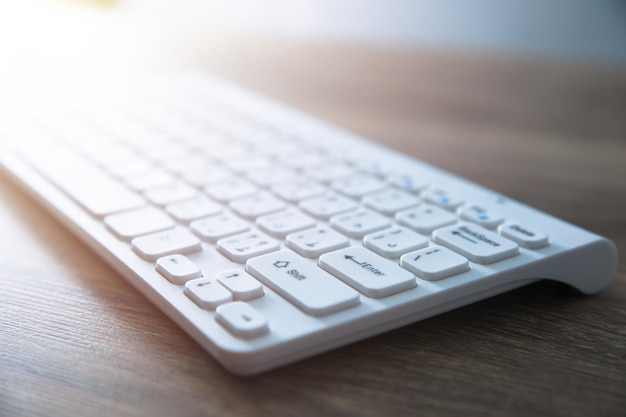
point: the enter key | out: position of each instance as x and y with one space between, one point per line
367 272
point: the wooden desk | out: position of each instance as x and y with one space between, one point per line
76 339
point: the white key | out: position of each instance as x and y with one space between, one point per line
241 319
168 194
111 154
360 223
328 205
282 223
300 160
443 198
230 189
407 182
178 269
434 263
217 227
476 243
357 186
426 218
267 178
201 176
248 163
240 248
130 224
207 293
295 191
328 172
130 168
153 246
372 167
481 216
312 243
389 202
372 275
394 242
188 210
183 163
301 282
166 151
523 235
241 284
149 180
86 184
256 205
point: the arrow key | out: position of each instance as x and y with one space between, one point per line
178 269
241 284
207 293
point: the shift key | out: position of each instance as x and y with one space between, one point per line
302 283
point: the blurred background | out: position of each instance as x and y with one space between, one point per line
575 29
47 43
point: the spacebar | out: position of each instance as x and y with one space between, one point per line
83 182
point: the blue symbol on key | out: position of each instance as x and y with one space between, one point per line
483 217
444 200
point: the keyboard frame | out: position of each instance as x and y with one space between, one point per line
575 256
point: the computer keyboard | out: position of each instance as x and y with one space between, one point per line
270 236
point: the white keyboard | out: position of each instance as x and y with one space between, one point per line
270 236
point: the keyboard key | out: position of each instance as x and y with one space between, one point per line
357 186
524 235
389 202
282 223
216 227
295 191
359 224
241 319
372 275
394 242
188 210
303 283
314 242
407 182
202 176
425 219
300 160
267 178
230 189
248 163
178 269
240 248
241 284
256 205
476 243
130 224
150 180
130 168
207 293
153 246
328 172
87 185
481 216
327 205
434 263
443 198
171 193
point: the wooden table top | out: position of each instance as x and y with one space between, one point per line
77 339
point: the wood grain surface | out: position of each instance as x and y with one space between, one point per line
77 339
